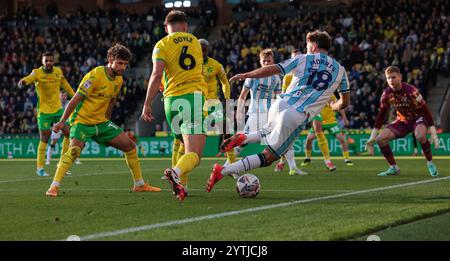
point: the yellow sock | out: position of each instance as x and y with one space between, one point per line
65 162
175 147
185 164
180 153
231 156
323 145
41 154
133 164
65 147
308 153
346 154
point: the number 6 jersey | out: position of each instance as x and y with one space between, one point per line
316 77
183 58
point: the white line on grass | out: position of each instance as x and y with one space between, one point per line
249 210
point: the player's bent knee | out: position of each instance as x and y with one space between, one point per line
74 151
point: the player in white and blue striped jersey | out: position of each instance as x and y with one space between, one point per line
262 92
316 77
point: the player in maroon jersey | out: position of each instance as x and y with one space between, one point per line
413 114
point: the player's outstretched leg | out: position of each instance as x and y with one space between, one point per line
232 142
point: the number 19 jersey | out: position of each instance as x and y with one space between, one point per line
183 58
316 77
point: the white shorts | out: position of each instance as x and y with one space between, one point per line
283 127
56 135
255 122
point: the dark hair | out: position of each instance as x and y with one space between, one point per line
175 16
118 51
266 53
392 69
321 38
295 51
47 53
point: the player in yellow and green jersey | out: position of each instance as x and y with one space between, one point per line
91 110
178 59
48 80
326 121
213 71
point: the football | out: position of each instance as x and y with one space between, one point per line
248 186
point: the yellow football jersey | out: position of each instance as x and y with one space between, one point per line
328 115
183 58
48 86
213 70
286 81
98 89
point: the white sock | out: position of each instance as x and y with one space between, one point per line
177 171
253 137
139 182
290 159
429 162
55 184
49 153
245 164
327 161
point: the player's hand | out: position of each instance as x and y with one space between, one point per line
58 126
335 106
147 114
21 83
370 143
434 140
238 77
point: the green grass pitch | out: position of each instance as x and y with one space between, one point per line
351 203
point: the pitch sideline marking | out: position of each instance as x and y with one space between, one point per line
249 210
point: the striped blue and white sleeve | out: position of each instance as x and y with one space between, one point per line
344 87
288 65
248 83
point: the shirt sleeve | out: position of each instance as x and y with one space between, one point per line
289 65
31 78
248 83
222 75
344 87
158 53
66 86
87 85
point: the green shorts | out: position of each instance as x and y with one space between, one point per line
185 114
101 133
46 120
331 128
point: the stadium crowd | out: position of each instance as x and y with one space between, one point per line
368 36
79 42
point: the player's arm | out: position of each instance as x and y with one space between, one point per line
258 73
110 109
29 79
282 68
344 117
384 109
73 103
224 81
428 116
344 94
152 89
66 86
240 112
